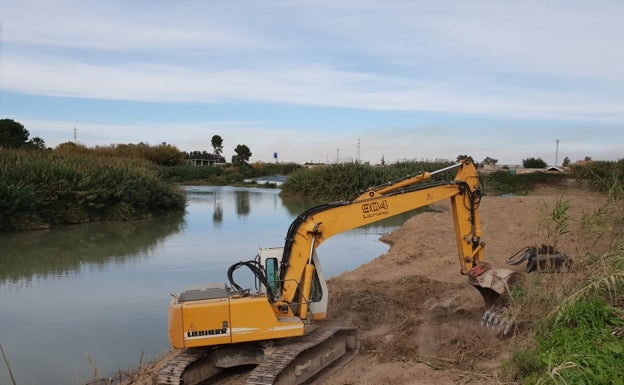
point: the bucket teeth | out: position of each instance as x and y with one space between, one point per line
497 321
486 319
494 286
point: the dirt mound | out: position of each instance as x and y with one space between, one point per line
413 317
434 326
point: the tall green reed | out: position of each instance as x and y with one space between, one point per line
39 189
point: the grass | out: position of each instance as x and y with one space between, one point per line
577 348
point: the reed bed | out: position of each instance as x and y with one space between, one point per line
40 188
345 181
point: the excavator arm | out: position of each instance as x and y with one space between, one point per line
318 224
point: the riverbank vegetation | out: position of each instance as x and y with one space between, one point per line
73 184
346 181
225 174
76 184
39 189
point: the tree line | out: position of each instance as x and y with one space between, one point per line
15 136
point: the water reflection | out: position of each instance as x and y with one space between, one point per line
296 206
63 250
243 207
217 215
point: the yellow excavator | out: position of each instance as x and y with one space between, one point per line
220 326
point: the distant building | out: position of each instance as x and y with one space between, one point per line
313 165
205 162
201 162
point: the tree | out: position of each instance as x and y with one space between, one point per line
217 144
243 153
198 155
37 143
566 162
71 148
490 161
164 155
13 134
534 163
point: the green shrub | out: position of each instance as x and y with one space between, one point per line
602 176
504 182
346 181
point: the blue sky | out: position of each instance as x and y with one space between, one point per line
320 80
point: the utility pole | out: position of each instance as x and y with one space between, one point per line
75 135
556 152
357 157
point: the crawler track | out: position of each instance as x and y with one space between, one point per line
289 362
192 366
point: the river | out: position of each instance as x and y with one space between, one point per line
95 296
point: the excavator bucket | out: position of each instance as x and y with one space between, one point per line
495 286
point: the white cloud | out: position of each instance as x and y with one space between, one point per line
530 60
124 27
313 85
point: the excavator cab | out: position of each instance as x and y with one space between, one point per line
271 260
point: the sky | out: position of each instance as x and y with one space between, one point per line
321 80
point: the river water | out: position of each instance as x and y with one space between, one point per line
85 297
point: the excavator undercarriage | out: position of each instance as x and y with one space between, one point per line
285 361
